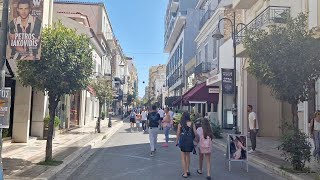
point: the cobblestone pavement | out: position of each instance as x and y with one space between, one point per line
126 156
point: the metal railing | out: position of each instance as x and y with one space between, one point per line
203 67
205 18
271 15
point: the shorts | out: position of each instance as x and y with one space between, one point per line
132 120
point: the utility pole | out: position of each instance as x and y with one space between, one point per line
3 50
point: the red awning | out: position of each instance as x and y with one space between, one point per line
201 93
91 90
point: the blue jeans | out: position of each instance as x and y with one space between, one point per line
167 130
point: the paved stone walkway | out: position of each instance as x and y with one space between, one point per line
126 156
20 160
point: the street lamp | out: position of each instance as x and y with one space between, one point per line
217 35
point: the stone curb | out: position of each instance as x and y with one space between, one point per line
96 142
265 164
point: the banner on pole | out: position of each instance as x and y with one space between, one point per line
5 105
227 81
24 33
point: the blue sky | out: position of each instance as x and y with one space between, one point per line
139 26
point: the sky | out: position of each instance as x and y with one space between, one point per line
139 26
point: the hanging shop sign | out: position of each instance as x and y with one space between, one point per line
5 105
227 81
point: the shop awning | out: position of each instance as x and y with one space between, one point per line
201 93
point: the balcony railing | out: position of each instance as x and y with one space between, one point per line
172 23
205 18
271 15
203 67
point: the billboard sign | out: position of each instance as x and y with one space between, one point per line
25 21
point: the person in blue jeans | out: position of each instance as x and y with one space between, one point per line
166 124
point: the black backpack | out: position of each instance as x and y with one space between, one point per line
154 118
187 136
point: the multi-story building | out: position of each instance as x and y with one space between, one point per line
271 112
157 84
100 24
181 27
215 55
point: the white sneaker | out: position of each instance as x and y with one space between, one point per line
251 151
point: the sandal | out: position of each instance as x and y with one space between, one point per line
198 171
188 173
208 177
184 176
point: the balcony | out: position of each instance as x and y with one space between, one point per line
243 4
271 15
174 5
174 30
204 67
205 18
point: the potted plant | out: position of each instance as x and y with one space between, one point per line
46 120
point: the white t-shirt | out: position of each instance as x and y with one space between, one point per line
161 113
144 115
171 113
252 117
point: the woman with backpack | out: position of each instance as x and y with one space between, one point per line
205 145
185 137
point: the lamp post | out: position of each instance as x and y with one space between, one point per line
217 35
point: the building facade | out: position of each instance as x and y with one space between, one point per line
181 27
157 85
271 113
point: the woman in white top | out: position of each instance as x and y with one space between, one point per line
315 134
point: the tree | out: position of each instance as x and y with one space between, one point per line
130 99
65 68
104 93
286 59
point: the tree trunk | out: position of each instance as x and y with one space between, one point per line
53 103
312 102
295 118
99 118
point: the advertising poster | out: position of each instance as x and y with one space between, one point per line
25 21
237 149
227 81
5 105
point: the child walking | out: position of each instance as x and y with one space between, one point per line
205 145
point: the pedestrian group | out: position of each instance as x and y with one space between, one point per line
193 137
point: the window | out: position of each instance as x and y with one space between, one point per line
214 49
199 58
206 53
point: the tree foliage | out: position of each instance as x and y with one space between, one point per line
130 99
285 58
103 90
65 68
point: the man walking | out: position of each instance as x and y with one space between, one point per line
253 128
161 113
153 123
144 115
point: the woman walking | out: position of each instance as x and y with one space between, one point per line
315 134
205 145
166 124
185 137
